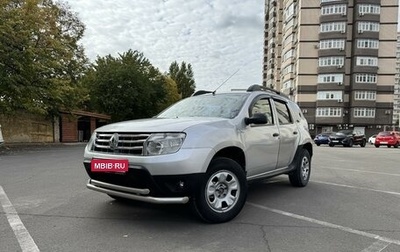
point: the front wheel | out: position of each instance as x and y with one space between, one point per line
363 143
301 175
222 193
331 145
350 143
396 145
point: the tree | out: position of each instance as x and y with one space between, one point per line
171 93
183 76
40 59
128 87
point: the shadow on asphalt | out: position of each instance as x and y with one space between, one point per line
9 149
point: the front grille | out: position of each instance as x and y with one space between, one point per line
120 143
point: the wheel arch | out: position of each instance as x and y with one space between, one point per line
300 148
234 153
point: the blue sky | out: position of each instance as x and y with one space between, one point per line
217 38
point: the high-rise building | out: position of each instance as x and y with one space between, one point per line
396 101
335 58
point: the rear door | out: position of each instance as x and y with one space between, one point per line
288 133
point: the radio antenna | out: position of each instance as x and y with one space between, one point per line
225 81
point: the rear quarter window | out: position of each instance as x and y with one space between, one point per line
283 112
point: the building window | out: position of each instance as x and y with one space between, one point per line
334 9
332 44
288 55
366 78
288 39
287 69
288 84
368 43
329 95
289 12
364 112
369 9
367 61
330 78
365 95
331 61
368 26
329 112
333 27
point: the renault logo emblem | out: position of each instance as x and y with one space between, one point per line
114 141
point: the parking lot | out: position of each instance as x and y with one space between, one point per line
351 204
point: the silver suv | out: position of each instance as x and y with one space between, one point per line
203 150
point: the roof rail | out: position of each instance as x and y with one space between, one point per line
256 87
201 92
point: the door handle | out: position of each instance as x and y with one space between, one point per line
275 134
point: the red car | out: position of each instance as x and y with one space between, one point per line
388 138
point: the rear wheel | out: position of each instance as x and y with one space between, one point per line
389 146
377 145
301 175
222 193
331 145
396 145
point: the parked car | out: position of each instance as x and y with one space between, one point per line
1 137
322 138
203 149
388 138
347 138
371 139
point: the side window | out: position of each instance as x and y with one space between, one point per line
263 106
283 113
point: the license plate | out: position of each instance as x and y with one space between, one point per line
109 165
384 142
335 141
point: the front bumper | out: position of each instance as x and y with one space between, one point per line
133 193
339 141
139 184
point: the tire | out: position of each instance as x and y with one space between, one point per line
318 144
350 143
389 146
301 175
396 145
377 145
363 143
331 145
222 193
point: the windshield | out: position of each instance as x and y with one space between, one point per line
345 132
219 105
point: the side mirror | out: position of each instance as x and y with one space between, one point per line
257 118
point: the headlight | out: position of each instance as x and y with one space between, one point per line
163 143
90 143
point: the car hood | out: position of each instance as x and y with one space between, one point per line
339 136
158 124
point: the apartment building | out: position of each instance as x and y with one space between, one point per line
335 58
396 101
